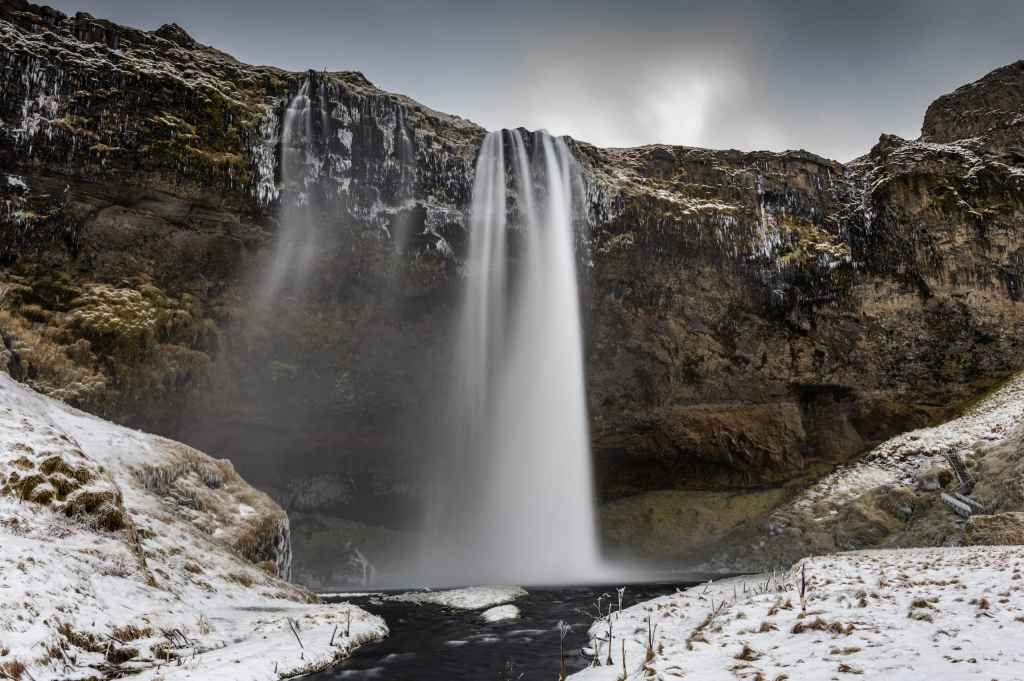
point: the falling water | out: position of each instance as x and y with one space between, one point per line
518 502
295 244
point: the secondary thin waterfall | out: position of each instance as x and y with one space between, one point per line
519 502
295 245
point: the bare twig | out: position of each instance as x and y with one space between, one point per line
293 625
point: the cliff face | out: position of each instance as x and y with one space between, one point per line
752 318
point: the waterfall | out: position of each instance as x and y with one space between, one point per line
517 502
301 163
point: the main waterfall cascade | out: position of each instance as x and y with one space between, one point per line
516 503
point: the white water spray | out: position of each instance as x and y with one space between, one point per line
517 502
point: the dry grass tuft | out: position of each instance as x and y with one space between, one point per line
819 624
748 654
85 641
12 669
130 632
241 578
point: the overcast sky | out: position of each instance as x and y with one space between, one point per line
823 76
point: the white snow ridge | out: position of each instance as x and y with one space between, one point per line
123 553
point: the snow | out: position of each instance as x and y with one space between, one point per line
470 598
900 460
931 613
153 570
501 613
938 613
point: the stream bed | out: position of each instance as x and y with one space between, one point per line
433 643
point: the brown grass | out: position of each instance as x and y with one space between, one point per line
819 624
130 632
748 654
241 578
54 371
85 641
12 669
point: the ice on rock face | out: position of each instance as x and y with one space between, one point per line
16 182
265 157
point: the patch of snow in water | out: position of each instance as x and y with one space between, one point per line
501 613
470 598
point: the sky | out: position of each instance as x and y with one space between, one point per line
824 76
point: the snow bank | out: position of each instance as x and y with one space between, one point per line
942 613
470 598
126 553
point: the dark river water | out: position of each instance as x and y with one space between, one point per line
431 643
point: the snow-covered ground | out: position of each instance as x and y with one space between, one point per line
469 598
953 612
899 615
126 553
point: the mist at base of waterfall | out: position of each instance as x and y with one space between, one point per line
513 494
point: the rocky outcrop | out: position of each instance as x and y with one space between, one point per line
752 318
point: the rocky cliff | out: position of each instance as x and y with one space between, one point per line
752 318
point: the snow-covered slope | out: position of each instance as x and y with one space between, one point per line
893 497
895 615
123 552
